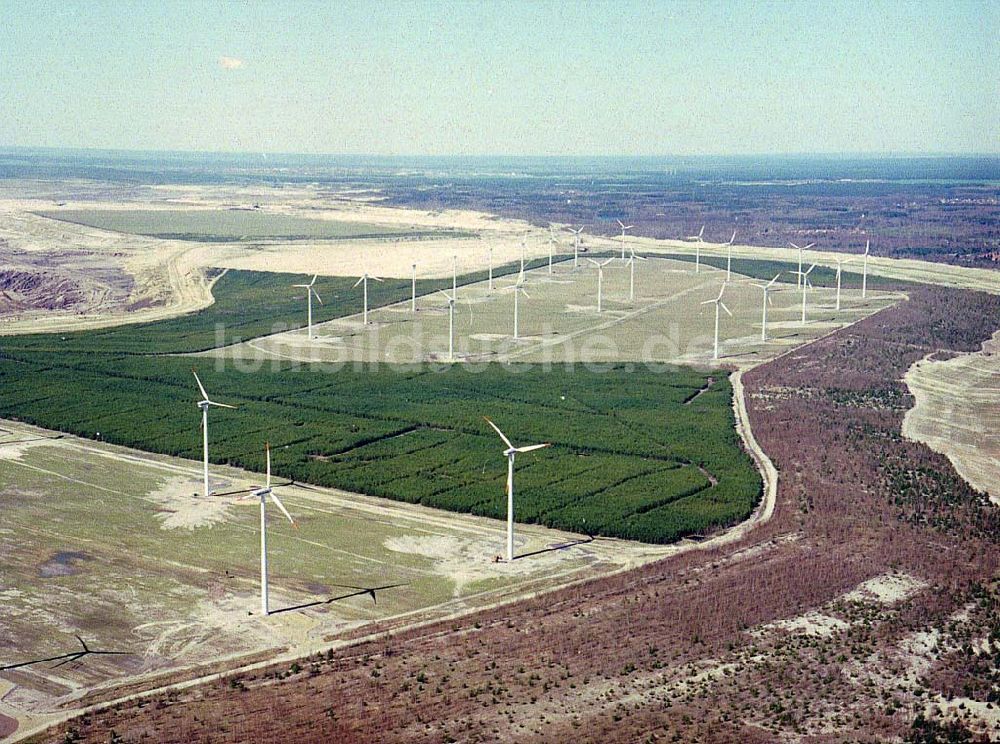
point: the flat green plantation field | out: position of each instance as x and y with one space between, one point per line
226 225
637 453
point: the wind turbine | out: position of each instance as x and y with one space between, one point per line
864 273
454 276
517 289
840 268
698 243
805 285
631 279
262 494
364 280
798 281
729 257
624 227
600 278
524 247
767 301
576 245
718 303
552 241
310 291
451 325
510 452
204 405
413 290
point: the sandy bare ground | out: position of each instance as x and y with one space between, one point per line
957 412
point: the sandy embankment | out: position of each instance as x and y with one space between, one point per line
957 412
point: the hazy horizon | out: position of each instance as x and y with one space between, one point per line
541 79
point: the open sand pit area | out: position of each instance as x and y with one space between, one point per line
957 412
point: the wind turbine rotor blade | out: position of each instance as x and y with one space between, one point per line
607 262
723 306
267 457
732 238
358 282
277 501
707 302
810 269
774 280
497 430
807 247
531 447
376 278
220 405
201 387
721 292
793 245
313 279
598 265
867 246
621 224
316 295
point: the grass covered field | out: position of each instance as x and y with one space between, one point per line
230 225
637 454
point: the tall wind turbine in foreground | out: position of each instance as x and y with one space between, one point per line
699 241
600 278
768 288
263 494
805 285
624 227
729 257
798 280
576 245
364 280
864 272
840 268
204 405
310 291
631 280
510 452
718 303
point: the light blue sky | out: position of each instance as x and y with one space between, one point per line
540 78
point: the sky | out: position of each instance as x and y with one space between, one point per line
502 78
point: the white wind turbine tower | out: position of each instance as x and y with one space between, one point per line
631 280
364 280
517 289
699 241
451 325
805 285
624 227
840 268
729 257
263 494
552 242
204 405
310 291
413 290
718 303
576 245
600 278
798 280
767 301
510 452
864 273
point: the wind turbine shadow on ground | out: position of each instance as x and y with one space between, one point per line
554 548
67 658
361 591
